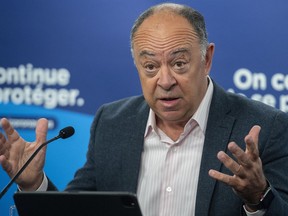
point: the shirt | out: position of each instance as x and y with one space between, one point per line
169 171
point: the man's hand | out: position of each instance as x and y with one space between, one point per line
248 181
15 151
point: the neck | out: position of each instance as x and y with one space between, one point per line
172 129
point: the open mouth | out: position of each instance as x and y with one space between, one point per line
169 102
168 99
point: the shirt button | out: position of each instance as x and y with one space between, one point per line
169 189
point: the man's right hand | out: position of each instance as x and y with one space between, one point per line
15 151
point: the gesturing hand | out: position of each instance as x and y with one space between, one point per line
248 181
15 151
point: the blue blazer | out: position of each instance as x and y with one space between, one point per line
116 144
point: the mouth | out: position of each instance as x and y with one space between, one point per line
168 99
169 102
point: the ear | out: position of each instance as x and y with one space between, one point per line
209 57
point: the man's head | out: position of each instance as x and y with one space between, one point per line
192 16
171 52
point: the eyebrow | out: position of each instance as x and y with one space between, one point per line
146 52
172 53
177 51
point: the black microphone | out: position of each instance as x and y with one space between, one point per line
63 134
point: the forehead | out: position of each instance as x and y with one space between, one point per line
163 32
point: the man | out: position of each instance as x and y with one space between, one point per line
186 147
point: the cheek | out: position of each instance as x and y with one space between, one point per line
148 85
187 87
189 84
197 74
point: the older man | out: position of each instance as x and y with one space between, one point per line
186 147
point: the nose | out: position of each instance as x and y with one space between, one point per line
166 79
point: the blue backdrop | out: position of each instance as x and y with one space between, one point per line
63 59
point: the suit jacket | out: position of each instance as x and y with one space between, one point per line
116 144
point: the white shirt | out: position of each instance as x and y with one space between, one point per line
169 172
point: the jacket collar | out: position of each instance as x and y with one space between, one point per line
219 128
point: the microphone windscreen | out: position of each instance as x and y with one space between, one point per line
66 132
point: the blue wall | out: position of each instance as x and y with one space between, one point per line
84 48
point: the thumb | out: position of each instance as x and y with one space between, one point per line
41 130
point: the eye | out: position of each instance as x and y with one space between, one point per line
150 67
179 65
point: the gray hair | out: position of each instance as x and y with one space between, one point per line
191 15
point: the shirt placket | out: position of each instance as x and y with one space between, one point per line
169 183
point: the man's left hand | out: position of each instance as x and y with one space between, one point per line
248 181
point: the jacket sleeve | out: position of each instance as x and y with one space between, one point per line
275 164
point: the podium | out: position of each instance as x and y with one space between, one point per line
77 204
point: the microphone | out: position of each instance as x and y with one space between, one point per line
63 134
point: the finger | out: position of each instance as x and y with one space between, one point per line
5 164
230 164
251 141
41 130
240 155
11 134
3 145
227 179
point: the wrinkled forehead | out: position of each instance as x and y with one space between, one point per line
164 31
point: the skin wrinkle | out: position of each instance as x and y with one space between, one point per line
143 39
173 56
179 31
178 53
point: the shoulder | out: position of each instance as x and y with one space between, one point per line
119 117
125 108
244 113
239 105
254 109
129 104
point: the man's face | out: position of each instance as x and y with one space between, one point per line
173 75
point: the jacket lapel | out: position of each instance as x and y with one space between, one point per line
133 147
219 127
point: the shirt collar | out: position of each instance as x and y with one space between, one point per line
200 116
